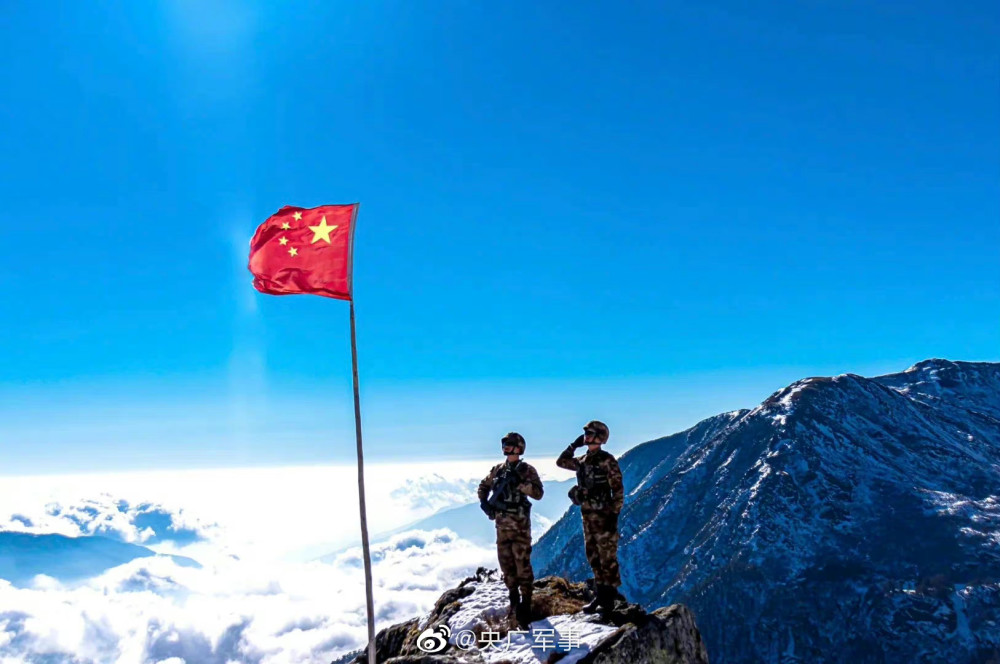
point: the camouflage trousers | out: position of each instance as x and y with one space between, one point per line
600 537
514 551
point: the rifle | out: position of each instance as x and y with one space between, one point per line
505 491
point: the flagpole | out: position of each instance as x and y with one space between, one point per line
361 496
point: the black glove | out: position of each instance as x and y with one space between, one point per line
485 506
578 442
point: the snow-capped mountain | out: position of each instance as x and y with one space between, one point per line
844 519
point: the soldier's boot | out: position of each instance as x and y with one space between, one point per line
515 599
606 596
523 611
595 603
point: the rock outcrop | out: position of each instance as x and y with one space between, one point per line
471 624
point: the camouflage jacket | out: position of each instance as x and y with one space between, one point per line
599 480
530 484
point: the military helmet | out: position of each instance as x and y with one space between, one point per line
515 439
599 428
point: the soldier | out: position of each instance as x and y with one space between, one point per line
512 483
600 494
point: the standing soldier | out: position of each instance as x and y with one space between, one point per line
599 493
511 484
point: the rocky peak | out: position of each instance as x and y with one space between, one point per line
969 386
471 624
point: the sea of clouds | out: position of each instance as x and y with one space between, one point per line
259 591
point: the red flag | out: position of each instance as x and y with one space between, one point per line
299 250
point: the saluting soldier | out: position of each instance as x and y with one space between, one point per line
600 494
503 495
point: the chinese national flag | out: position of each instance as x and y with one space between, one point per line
299 250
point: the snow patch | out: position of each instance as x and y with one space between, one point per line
574 635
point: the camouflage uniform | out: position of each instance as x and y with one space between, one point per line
600 494
513 523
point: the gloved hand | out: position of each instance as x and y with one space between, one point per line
578 442
517 480
485 506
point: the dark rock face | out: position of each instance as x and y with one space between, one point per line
668 636
627 635
844 519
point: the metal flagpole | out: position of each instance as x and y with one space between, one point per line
361 496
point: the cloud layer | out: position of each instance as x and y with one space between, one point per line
253 599
152 609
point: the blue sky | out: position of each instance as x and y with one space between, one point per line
646 214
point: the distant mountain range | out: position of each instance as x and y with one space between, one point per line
23 556
469 523
844 519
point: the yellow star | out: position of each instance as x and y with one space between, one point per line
283 241
322 232
298 216
293 252
286 227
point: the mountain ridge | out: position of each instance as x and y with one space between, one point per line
835 488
